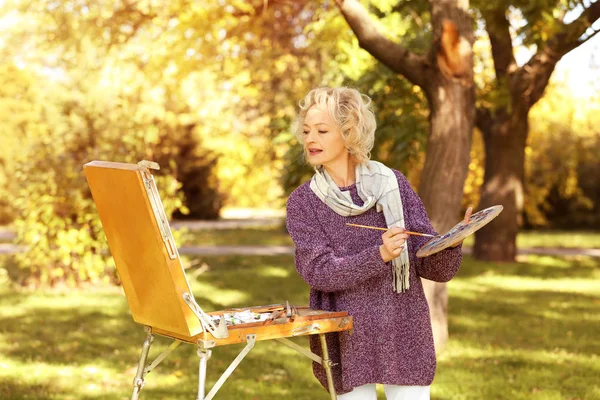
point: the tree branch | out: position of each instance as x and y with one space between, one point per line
497 27
568 37
393 55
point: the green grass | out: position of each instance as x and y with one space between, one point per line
274 236
555 239
559 239
525 330
278 236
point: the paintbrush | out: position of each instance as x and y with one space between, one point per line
385 229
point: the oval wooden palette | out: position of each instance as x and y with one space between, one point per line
459 232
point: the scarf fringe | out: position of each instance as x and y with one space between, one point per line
400 281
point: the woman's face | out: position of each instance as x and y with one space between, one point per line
323 141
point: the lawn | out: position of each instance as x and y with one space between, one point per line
278 236
268 236
564 239
527 330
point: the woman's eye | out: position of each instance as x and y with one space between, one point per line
305 132
322 131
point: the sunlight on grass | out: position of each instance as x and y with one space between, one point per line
565 262
566 239
91 380
523 330
224 297
112 298
268 236
492 372
520 284
275 272
278 236
559 239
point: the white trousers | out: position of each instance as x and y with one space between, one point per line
392 392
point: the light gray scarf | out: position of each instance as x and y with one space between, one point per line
377 185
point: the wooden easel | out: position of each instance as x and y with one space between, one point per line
157 290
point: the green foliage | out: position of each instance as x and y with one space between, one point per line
21 119
57 220
401 109
402 119
563 159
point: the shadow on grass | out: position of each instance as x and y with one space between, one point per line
59 336
258 280
505 304
535 266
523 330
515 376
15 390
81 329
507 342
56 334
541 320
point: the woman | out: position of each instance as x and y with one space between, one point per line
375 277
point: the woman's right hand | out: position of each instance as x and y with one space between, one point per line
393 242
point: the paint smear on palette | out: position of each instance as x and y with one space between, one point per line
459 232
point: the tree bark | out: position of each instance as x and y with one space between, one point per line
451 99
443 178
447 158
505 141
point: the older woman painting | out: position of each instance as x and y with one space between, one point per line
376 278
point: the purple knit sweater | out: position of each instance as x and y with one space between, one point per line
392 341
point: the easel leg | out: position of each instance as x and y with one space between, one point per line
204 356
327 365
138 381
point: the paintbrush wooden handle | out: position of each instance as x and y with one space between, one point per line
368 227
385 229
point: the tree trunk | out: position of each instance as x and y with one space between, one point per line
451 95
503 184
446 76
447 157
443 178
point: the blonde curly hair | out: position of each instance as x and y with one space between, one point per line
351 111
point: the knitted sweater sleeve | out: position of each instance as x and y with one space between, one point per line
439 267
316 260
